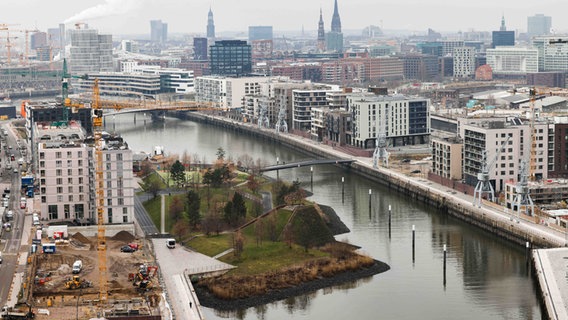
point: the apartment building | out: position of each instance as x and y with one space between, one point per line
485 136
227 92
447 157
66 172
406 119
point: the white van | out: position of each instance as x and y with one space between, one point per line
35 220
171 243
77 266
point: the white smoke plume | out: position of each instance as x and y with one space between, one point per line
106 9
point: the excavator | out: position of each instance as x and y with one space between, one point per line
77 283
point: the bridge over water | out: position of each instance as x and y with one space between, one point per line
306 163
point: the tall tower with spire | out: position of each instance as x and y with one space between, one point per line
503 37
210 25
503 27
335 20
321 33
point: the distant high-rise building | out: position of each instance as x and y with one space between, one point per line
539 25
503 37
230 58
199 48
260 33
464 62
335 20
158 31
334 41
210 25
38 39
321 33
90 51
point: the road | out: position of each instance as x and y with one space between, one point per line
11 241
142 217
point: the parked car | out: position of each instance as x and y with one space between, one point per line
406 160
415 171
127 248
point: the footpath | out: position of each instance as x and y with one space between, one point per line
551 264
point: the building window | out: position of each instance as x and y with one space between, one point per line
43 199
52 212
80 188
70 180
59 189
81 197
80 163
109 202
41 155
42 164
70 189
80 154
58 172
59 198
59 181
69 163
68 154
80 172
58 155
109 215
70 198
80 179
120 201
119 157
42 173
69 172
58 163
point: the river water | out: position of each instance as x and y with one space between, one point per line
486 277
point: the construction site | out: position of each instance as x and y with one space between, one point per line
62 282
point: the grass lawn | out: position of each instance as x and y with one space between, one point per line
211 245
269 256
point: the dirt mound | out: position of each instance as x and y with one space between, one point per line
81 238
123 236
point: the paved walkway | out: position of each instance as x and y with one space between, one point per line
177 265
552 272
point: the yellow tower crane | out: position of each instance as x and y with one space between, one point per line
97 106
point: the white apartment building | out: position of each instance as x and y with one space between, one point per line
302 103
122 84
512 60
407 119
227 92
464 62
172 79
486 135
66 175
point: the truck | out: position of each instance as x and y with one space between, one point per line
77 266
171 243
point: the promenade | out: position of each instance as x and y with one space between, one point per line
551 264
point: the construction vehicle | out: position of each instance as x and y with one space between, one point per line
77 283
17 313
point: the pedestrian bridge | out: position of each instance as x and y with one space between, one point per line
306 163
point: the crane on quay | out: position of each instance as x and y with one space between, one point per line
484 186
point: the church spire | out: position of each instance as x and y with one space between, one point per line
503 28
210 25
335 20
321 33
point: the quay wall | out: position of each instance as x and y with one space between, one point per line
395 181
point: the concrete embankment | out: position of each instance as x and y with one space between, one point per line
430 193
550 270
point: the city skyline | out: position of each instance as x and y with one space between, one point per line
132 16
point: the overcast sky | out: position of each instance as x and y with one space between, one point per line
190 16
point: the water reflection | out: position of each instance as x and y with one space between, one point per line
486 276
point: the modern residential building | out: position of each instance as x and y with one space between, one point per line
210 25
129 46
407 119
200 47
121 84
171 79
90 52
464 62
224 92
158 31
512 60
539 25
65 163
483 137
447 157
230 58
303 101
260 33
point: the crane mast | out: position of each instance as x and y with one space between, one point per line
381 153
100 193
